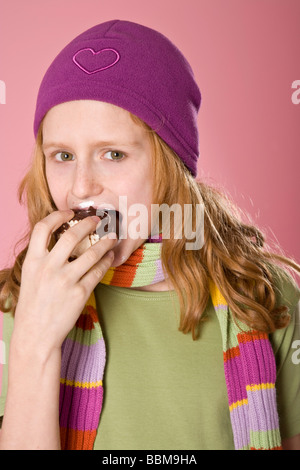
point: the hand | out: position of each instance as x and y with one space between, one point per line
54 291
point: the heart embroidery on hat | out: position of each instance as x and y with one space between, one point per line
90 61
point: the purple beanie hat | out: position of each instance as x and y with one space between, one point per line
135 68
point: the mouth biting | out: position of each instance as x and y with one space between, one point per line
110 221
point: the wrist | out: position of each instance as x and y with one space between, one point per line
31 348
33 381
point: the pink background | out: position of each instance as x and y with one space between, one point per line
245 55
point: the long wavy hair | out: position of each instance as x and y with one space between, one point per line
234 254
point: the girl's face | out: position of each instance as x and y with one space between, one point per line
95 152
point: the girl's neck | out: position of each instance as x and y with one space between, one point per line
158 287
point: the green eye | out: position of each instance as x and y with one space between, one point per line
64 156
115 155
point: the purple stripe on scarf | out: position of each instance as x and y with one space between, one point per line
258 361
240 426
235 380
263 405
83 363
159 275
80 408
221 307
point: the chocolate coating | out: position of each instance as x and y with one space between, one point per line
111 224
108 215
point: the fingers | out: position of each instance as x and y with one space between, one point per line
42 231
91 259
71 238
97 272
91 266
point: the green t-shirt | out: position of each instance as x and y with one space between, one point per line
164 391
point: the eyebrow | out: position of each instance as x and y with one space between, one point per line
103 143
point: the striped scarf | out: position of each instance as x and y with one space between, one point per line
249 366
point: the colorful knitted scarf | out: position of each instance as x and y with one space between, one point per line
249 366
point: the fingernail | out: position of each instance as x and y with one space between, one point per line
111 254
95 218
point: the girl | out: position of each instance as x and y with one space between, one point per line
96 360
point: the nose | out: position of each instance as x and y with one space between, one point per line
86 181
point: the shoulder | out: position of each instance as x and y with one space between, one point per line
286 289
287 294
